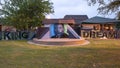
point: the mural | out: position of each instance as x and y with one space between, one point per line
58 31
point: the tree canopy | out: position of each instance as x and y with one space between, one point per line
107 6
25 14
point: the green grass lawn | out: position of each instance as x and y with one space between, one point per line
97 54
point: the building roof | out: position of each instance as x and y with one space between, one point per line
78 18
101 20
62 21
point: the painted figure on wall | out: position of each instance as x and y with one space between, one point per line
58 31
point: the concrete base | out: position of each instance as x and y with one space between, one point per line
61 42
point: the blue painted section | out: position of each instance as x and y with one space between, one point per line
52 32
31 35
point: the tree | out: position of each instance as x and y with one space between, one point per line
25 14
107 6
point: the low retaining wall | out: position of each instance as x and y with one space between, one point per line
18 35
100 34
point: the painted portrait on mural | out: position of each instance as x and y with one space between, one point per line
58 31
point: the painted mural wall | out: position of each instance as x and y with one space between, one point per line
58 31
